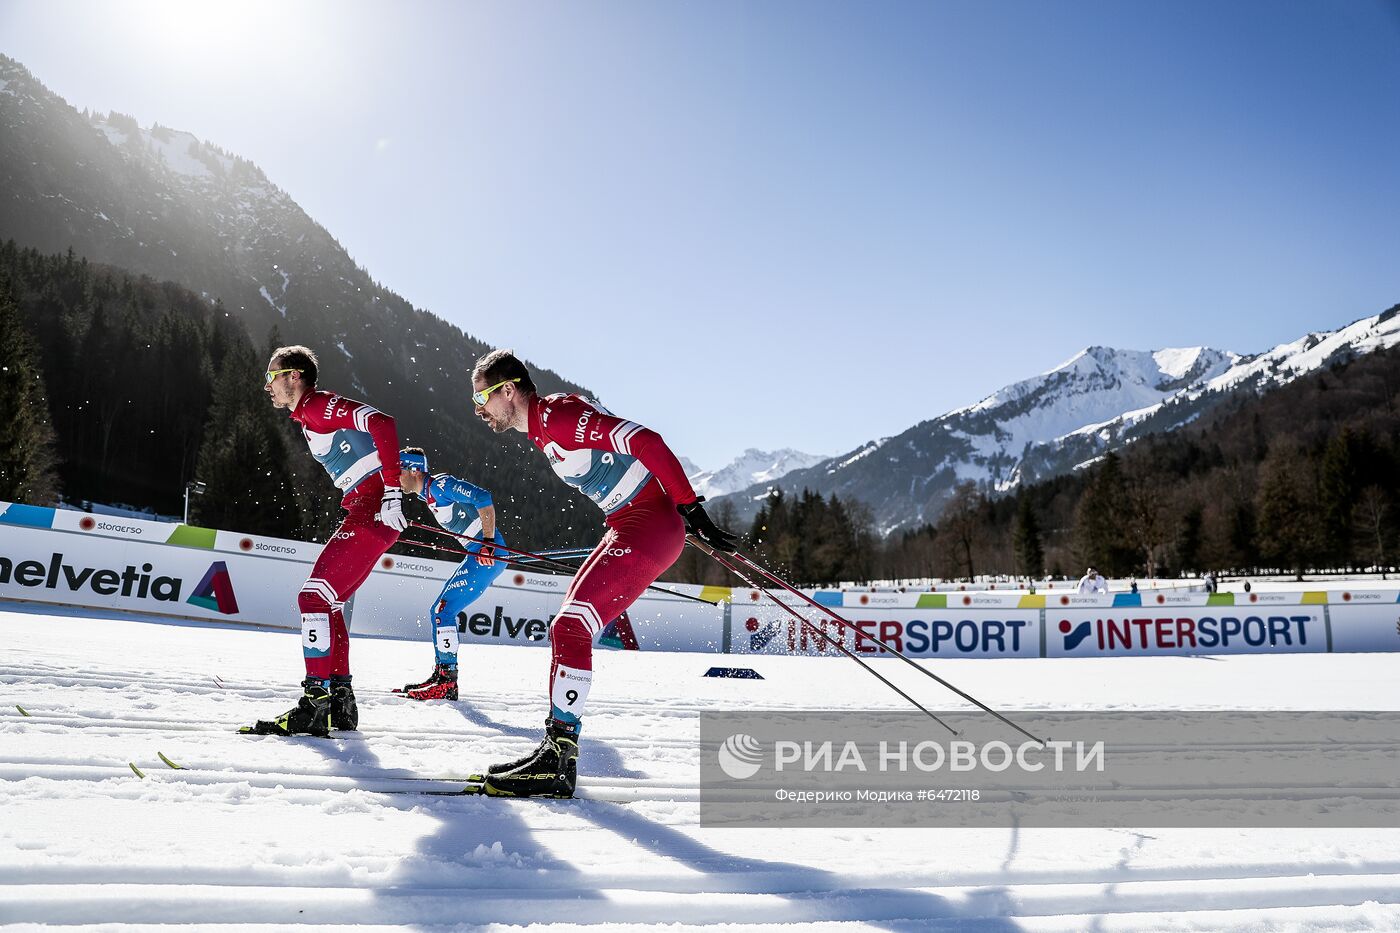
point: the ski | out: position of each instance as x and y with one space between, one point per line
613 789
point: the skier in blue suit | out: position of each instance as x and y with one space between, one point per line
465 510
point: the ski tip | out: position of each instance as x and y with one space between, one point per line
22 710
135 770
172 764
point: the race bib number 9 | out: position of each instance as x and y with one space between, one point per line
570 690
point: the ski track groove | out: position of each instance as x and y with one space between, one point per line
76 903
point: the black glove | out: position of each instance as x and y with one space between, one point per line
699 524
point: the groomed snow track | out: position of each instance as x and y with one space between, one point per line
270 834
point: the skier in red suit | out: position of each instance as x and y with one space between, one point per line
648 506
359 447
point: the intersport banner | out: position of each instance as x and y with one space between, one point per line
1184 630
933 632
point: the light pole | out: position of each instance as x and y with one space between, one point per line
196 487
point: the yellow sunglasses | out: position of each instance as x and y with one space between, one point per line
277 372
480 398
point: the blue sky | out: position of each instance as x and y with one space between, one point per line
799 224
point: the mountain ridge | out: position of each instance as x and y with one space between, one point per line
1100 399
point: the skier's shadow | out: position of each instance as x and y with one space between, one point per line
893 909
595 757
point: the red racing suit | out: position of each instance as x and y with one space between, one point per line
630 473
359 447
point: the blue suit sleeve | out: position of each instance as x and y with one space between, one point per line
451 489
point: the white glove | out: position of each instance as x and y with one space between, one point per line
391 509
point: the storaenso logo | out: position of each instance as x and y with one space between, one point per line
125 529
59 575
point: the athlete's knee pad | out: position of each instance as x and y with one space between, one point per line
571 640
316 596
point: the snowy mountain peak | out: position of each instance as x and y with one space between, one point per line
750 467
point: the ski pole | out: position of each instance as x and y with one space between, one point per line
513 562
747 562
820 634
547 562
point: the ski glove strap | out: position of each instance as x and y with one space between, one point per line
391 509
698 523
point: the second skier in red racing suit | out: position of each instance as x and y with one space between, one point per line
648 506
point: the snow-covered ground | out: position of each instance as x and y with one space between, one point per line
272 834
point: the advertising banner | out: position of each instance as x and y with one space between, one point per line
1364 625
78 559
1118 632
135 574
112 562
918 633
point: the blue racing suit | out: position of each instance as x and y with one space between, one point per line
454 504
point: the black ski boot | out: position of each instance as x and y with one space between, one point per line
345 714
311 715
550 771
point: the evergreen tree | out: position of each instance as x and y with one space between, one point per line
1100 521
1025 540
27 457
243 461
1244 535
1337 487
773 535
1188 539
